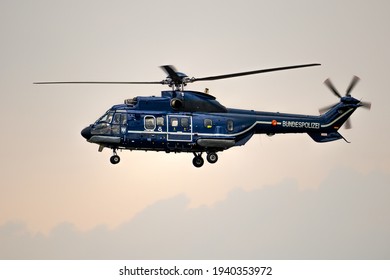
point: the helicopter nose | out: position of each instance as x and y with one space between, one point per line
86 132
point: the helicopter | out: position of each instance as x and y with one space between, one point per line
195 122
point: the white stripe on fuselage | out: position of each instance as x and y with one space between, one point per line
232 134
341 116
203 134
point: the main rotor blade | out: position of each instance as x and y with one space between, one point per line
348 124
211 78
171 71
353 83
330 85
366 105
112 83
326 108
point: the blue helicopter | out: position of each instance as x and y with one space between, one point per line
195 122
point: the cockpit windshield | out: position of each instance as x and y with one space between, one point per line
111 123
106 118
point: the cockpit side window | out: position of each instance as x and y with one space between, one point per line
123 119
116 119
119 123
120 118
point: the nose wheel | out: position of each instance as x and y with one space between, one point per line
115 159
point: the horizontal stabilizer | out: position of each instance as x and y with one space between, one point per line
323 137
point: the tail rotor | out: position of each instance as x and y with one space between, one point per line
346 99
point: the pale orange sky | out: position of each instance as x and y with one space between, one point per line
50 176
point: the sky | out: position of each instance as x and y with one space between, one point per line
280 197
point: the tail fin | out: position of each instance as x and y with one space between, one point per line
336 117
331 122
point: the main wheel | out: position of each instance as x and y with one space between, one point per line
212 157
115 159
198 161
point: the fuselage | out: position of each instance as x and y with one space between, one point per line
195 122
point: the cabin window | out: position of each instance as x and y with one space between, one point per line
150 122
160 121
230 125
174 122
184 122
208 123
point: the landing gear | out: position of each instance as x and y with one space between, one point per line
198 161
115 159
212 157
